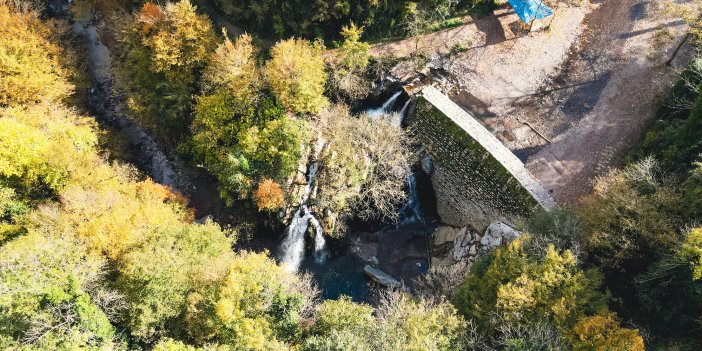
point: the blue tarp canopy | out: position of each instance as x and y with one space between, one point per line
527 9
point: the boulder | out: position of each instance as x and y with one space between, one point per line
498 233
381 277
446 234
462 246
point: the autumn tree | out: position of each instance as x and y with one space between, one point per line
632 216
32 66
269 195
51 296
399 323
603 333
355 54
347 69
158 52
42 146
256 305
691 252
232 68
240 135
526 286
295 75
183 256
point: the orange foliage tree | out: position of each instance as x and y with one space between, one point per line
269 195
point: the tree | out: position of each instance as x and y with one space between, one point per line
274 148
32 66
400 323
526 286
631 217
157 276
51 296
295 75
157 53
354 53
366 165
112 212
257 305
691 252
603 333
232 67
42 147
341 325
269 195
348 68
410 324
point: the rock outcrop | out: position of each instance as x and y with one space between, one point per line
498 233
452 245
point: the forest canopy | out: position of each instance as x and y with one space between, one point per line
95 255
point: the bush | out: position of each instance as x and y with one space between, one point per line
603 333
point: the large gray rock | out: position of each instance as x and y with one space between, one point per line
444 235
381 277
497 234
465 245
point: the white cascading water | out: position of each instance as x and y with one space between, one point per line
410 211
385 108
320 244
292 249
403 113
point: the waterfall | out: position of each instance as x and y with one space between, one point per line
399 117
320 244
292 249
385 108
411 211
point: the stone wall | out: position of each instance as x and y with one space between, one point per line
474 187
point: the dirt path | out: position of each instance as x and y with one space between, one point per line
607 93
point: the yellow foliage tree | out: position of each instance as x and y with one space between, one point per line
180 40
296 75
42 146
233 67
30 60
603 333
112 212
251 307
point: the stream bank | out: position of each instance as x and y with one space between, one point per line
141 149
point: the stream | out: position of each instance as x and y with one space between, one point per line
147 154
